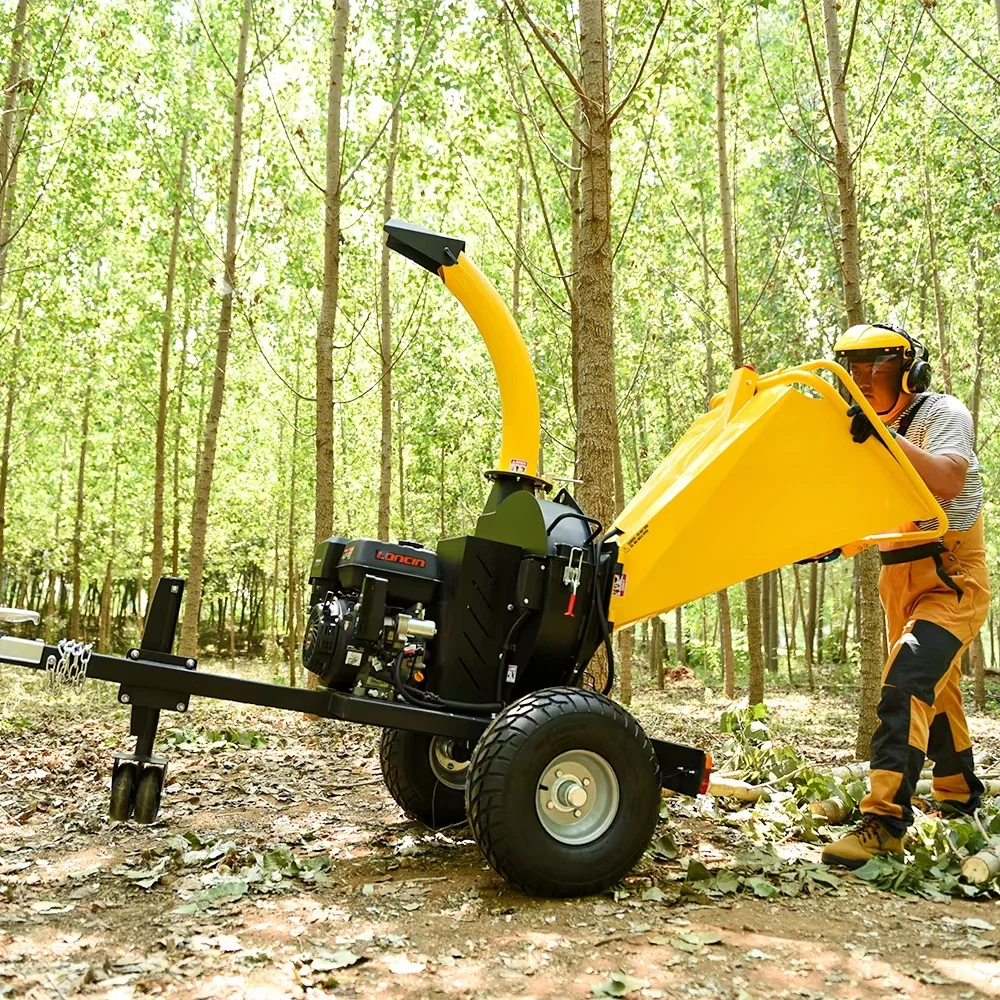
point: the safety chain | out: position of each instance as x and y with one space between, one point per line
71 666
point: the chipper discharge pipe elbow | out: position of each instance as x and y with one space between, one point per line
444 255
769 476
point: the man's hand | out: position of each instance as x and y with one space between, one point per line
862 428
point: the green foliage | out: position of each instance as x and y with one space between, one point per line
214 739
751 750
762 873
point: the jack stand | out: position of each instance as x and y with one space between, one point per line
137 778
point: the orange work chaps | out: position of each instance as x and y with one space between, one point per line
935 606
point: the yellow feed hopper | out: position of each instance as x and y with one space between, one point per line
769 476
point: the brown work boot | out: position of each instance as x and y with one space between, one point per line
868 839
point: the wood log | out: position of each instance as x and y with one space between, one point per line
991 785
833 810
733 788
981 867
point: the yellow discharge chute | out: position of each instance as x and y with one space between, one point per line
770 475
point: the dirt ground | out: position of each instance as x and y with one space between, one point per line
285 869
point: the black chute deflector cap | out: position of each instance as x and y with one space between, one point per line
428 249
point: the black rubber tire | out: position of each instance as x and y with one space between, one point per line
407 772
122 792
502 784
147 795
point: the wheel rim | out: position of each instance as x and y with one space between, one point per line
577 797
445 766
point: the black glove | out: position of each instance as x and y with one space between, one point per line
825 558
862 428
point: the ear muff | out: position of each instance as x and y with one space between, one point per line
917 372
917 376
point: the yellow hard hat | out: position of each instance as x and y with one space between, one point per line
868 337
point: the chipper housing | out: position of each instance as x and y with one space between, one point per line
472 655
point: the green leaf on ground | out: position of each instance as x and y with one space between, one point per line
619 985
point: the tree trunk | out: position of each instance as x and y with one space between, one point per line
293 622
730 263
385 476
820 605
203 488
596 410
515 290
576 160
8 180
175 549
765 612
444 449
872 617
993 641
843 637
726 638
272 632
752 587
808 615
74 616
943 362
331 281
978 657
723 621
56 577
975 401
657 652
104 623
165 342
784 626
402 469
8 159
232 628
8 424
597 421
810 622
679 637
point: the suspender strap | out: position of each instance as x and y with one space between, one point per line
929 550
908 417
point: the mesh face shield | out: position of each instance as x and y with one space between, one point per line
878 373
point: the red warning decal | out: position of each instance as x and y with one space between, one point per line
618 587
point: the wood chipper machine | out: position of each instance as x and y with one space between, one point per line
471 656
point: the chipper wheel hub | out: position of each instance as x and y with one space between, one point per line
577 798
447 763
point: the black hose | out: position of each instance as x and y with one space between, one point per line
425 699
514 629
595 605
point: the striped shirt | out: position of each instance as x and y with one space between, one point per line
943 426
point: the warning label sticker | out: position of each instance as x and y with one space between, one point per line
618 587
518 465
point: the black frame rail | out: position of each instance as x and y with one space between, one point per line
151 679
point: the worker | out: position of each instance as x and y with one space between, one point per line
936 595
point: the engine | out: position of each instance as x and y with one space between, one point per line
518 605
367 630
